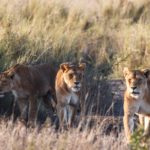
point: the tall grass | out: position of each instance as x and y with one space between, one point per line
107 34
18 137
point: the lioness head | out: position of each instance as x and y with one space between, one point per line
73 75
136 81
9 79
6 79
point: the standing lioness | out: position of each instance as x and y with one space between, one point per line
136 99
28 83
68 86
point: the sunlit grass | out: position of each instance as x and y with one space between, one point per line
18 137
106 34
109 32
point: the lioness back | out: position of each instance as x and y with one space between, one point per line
28 83
42 76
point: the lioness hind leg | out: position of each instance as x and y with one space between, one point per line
51 111
49 103
51 96
32 115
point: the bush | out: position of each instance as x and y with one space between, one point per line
138 141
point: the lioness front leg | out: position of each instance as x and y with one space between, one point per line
141 119
145 122
130 108
71 115
23 106
60 113
66 116
32 116
146 126
128 121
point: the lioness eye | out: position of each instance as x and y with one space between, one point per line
80 75
140 80
70 75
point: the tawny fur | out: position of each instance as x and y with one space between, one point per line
136 100
68 87
28 83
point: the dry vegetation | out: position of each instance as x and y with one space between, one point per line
17 138
106 34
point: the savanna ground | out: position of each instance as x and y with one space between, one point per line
106 34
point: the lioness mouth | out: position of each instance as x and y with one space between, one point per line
76 87
135 93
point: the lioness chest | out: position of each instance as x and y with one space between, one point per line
144 108
72 98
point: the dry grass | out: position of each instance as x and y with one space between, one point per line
105 34
15 137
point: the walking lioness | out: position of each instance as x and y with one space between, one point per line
28 84
68 86
136 99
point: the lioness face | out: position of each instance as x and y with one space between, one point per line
5 82
73 75
136 82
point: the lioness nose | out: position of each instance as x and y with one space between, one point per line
134 87
76 83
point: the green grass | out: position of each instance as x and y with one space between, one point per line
138 141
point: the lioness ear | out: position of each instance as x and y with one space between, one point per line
64 66
125 71
82 66
146 72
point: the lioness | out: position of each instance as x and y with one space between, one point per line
136 99
68 86
27 84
